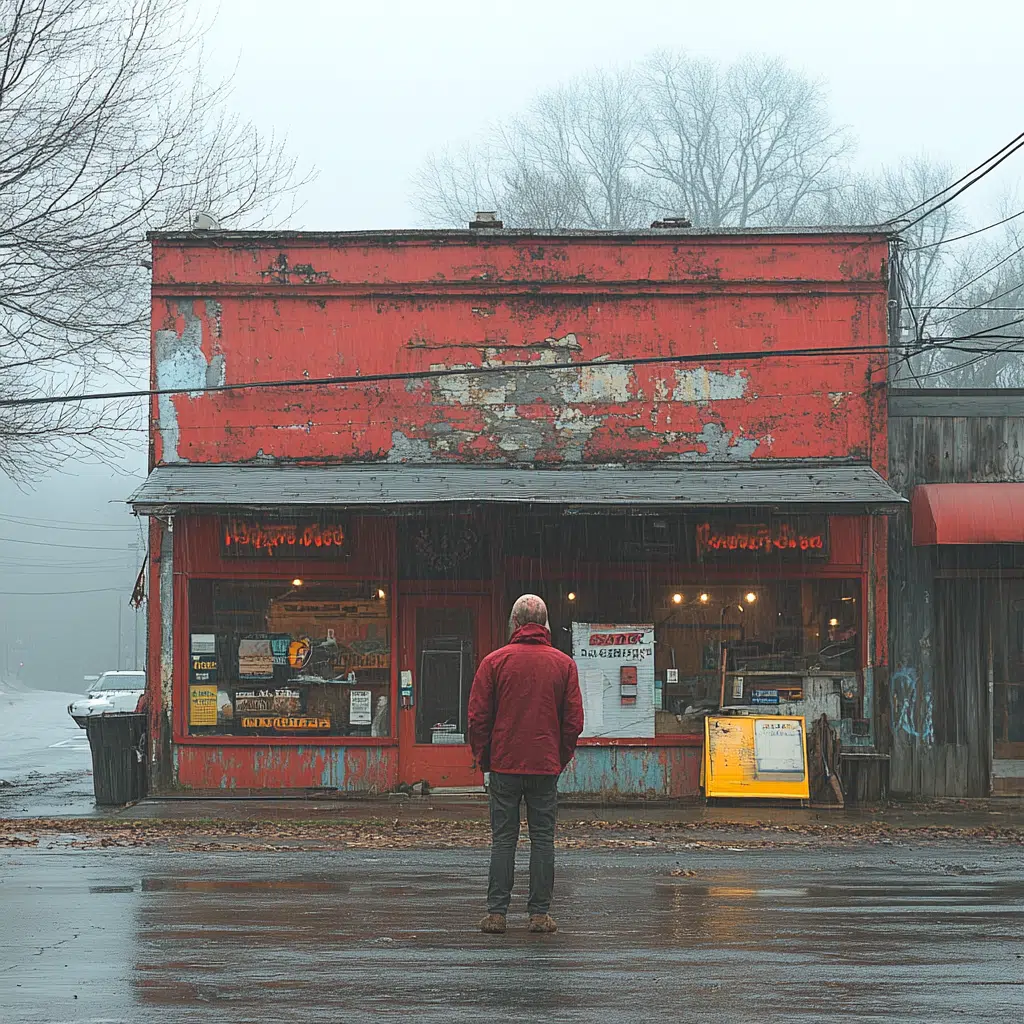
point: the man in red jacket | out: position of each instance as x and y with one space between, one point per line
525 715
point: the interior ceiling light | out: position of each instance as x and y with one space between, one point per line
677 598
833 622
750 597
296 582
571 595
704 598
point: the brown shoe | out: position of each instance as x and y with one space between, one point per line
493 924
542 923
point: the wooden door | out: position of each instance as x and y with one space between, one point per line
444 636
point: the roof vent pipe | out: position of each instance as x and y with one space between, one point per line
486 219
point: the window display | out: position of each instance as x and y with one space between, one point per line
784 646
288 658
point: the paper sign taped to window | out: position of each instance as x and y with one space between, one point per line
255 658
779 747
204 643
360 707
202 705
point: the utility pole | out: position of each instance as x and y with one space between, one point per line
119 618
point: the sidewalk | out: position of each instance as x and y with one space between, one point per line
438 822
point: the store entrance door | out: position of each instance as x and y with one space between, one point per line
443 639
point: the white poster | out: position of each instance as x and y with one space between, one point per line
204 643
360 707
611 706
778 747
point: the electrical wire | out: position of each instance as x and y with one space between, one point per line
73 547
460 371
978 277
993 298
60 593
969 234
925 202
957 367
1017 143
63 524
468 371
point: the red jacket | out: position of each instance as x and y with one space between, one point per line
525 707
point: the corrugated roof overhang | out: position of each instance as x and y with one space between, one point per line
829 487
968 514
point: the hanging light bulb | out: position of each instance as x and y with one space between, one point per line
297 582
677 598
571 596
750 597
705 597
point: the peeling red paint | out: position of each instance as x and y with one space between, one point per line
269 767
309 307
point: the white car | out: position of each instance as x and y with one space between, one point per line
112 692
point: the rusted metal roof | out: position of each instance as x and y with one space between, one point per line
256 237
820 486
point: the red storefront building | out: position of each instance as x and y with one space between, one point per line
677 438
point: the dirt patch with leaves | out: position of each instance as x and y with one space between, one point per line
432 834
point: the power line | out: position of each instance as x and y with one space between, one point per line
925 202
973 309
73 547
469 371
63 524
956 367
60 593
461 371
989 165
969 234
978 277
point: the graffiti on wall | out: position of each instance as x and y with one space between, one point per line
911 705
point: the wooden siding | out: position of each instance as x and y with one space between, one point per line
942 602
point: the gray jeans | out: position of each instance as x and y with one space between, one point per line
506 794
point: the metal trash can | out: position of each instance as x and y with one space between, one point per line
118 745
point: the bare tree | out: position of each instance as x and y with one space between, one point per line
569 162
743 145
750 144
107 129
955 280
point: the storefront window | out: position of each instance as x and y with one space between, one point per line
768 640
654 658
291 658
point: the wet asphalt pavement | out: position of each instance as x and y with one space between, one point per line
45 765
905 933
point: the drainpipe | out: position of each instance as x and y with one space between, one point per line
991 714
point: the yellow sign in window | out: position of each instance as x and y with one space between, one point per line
202 705
755 756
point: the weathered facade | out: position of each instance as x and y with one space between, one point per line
637 425
956 700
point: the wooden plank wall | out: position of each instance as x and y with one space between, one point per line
937 702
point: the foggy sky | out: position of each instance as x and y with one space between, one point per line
365 91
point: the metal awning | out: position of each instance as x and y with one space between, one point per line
825 487
968 514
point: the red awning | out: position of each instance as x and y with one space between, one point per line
968 514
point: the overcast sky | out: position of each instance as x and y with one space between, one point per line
365 91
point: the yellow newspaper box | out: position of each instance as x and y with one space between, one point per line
755 756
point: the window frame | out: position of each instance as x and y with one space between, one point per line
196 557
